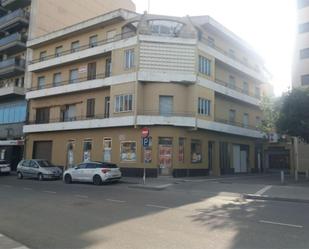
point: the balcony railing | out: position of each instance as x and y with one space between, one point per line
231 56
238 89
14 4
17 37
70 81
11 16
12 62
238 124
166 114
118 37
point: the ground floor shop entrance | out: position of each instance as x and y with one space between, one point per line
165 156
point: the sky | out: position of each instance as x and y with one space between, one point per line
267 25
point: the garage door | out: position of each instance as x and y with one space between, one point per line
42 150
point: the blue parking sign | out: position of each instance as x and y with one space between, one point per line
146 141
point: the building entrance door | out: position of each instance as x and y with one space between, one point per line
165 156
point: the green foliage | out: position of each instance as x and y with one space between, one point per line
293 118
270 109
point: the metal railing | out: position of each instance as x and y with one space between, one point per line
70 81
234 123
12 62
17 13
226 53
12 38
118 37
238 89
166 114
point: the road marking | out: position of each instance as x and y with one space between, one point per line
81 196
112 200
263 190
280 224
156 206
27 188
50 192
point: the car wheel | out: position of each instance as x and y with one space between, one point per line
97 180
68 179
40 177
19 175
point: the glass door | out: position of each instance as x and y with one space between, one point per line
165 156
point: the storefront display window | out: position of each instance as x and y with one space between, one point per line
128 151
196 151
87 150
70 154
107 149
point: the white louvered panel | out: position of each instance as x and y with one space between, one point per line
167 57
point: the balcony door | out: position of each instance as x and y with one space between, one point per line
92 71
106 107
166 105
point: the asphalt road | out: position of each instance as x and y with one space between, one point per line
188 215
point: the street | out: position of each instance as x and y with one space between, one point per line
197 215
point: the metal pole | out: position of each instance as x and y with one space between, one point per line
144 176
282 177
296 158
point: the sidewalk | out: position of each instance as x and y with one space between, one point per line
7 243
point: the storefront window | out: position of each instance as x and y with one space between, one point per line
196 151
181 155
70 154
87 150
107 150
128 151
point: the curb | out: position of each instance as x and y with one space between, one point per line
151 187
7 243
269 198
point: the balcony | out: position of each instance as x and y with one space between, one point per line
238 124
10 91
14 21
12 67
15 4
13 44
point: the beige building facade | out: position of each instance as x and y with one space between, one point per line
194 84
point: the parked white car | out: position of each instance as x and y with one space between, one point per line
95 172
5 167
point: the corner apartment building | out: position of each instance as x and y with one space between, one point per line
191 81
21 20
300 76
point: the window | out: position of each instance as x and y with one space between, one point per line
73 76
303 3
196 151
211 41
108 67
107 150
304 53
257 92
57 79
68 113
165 27
74 46
303 28
123 103
42 115
232 82
245 87
246 120
204 65
106 106
181 152
58 51
43 55
92 71
13 112
129 58
90 108
305 80
41 82
203 107
232 116
87 148
93 41
128 151
166 105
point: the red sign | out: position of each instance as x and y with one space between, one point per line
145 132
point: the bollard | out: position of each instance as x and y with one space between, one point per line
282 177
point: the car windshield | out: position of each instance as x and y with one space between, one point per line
44 163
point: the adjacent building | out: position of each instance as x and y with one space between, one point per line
21 20
194 84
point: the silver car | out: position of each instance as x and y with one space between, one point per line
40 169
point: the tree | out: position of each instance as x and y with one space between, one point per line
293 117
